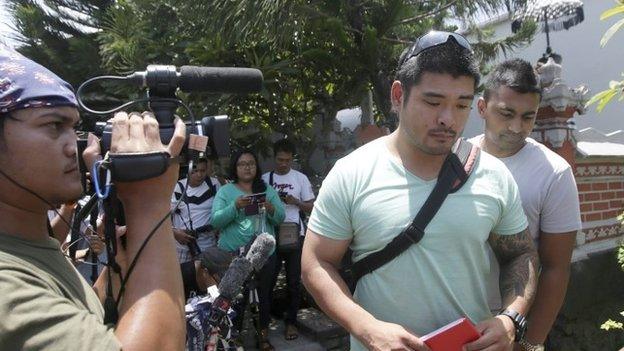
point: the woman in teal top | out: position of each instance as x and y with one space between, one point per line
238 229
228 215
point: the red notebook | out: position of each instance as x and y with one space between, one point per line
452 336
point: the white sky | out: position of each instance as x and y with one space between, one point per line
5 24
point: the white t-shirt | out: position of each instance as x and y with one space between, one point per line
549 197
199 203
296 184
369 198
547 188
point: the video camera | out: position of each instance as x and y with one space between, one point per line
162 82
216 128
209 135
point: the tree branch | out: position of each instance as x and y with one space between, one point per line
430 13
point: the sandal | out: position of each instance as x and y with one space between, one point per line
291 333
263 341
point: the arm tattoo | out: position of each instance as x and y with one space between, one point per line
518 260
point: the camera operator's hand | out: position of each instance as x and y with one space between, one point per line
182 237
139 133
242 201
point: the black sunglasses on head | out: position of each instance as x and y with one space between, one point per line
435 38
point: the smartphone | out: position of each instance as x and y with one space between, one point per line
255 200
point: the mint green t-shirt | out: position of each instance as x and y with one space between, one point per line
44 302
236 228
369 198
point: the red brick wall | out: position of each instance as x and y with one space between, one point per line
601 199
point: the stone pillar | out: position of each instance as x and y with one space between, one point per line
555 118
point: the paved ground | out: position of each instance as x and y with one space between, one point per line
276 337
316 333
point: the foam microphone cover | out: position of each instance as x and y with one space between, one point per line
220 79
260 250
237 273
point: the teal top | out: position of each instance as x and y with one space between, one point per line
237 229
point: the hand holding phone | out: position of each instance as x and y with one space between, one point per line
253 203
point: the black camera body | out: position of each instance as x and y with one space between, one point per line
162 83
216 128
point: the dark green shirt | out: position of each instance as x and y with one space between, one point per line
44 302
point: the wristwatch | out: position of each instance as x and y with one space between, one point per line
519 322
527 346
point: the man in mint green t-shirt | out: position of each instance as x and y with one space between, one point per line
371 195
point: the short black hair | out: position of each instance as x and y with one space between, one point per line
448 58
284 145
215 260
516 74
258 186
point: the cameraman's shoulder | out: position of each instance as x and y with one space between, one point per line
18 273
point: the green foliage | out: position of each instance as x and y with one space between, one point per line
611 324
616 88
605 96
317 56
602 99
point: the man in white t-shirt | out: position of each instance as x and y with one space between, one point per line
296 192
547 187
372 194
191 220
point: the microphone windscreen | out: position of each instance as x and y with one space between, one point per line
260 250
220 79
232 282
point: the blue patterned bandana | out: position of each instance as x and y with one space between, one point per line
24 84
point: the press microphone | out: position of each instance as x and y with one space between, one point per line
237 273
260 250
234 80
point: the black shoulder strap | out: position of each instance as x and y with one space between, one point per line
213 188
271 178
178 195
454 173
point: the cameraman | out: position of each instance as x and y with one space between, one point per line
45 304
191 220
